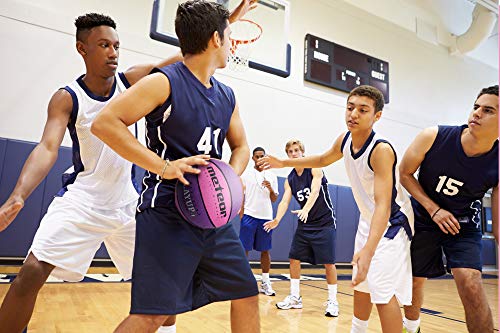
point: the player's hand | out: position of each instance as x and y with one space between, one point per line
446 222
302 214
177 168
361 260
270 162
270 225
244 7
9 211
266 184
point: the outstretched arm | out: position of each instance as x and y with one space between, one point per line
411 161
111 126
137 72
282 207
42 158
316 161
313 196
382 161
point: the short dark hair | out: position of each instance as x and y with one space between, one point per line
370 92
88 21
493 90
195 23
256 149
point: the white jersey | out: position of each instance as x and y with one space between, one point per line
257 200
362 179
101 178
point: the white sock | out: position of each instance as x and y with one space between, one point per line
358 325
265 277
411 325
332 292
295 287
166 329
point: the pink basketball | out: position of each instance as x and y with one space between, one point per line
213 197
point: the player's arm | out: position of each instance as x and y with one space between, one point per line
271 186
411 161
42 158
494 212
111 126
237 140
282 208
382 162
313 196
137 72
316 161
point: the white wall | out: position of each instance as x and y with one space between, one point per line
427 86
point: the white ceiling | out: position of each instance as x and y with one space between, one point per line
435 21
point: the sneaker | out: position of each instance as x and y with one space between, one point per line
267 289
332 309
290 302
406 331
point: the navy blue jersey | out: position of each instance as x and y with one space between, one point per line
453 180
321 214
193 120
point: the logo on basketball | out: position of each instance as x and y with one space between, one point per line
213 197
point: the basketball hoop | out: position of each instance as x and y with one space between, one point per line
244 34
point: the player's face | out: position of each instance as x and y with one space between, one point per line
484 116
257 156
294 151
102 50
360 113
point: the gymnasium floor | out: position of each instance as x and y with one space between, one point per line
99 306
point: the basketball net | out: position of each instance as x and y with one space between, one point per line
244 34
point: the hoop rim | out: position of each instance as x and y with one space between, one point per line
236 41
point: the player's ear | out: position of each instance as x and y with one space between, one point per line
378 114
80 47
216 39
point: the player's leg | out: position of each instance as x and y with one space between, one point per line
362 308
427 262
263 243
471 291
463 254
141 323
18 304
245 315
391 319
247 233
120 245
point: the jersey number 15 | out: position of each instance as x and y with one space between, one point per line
451 187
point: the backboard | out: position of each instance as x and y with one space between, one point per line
270 53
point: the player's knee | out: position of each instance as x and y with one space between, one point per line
250 302
153 321
31 277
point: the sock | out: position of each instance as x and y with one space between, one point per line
295 287
166 329
332 292
358 325
411 325
265 277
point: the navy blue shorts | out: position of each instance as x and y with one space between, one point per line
253 236
314 246
462 251
179 268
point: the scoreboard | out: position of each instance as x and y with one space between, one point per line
341 68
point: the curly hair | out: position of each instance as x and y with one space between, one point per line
370 92
88 21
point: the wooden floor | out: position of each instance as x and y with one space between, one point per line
99 307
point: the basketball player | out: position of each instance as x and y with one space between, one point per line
314 240
458 164
386 220
97 202
261 190
179 267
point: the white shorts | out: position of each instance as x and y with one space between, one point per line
390 270
70 234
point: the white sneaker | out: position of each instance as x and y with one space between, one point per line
332 309
267 289
290 302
